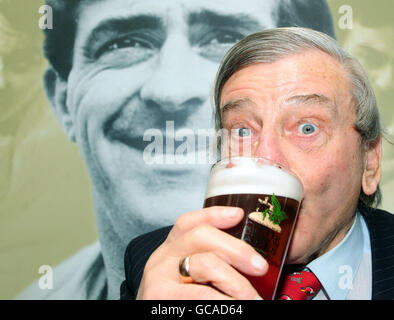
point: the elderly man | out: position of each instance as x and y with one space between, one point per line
302 101
119 68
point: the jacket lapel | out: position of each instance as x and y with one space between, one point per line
381 228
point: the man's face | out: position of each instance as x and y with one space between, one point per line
136 65
298 111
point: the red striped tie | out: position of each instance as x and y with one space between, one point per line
299 286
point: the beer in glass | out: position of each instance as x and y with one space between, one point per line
270 196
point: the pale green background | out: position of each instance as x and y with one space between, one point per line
46 211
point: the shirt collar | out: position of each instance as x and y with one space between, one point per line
337 268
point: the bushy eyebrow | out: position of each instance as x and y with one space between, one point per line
312 99
234 105
301 100
308 98
224 20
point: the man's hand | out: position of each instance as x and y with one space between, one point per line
216 260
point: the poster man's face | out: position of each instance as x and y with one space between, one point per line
136 65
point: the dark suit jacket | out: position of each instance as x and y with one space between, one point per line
380 225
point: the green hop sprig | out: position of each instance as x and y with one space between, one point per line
277 215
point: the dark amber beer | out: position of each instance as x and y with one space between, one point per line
270 197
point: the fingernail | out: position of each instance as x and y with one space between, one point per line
232 212
258 262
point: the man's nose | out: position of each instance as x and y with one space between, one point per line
270 146
177 82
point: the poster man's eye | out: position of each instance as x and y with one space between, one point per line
125 43
213 45
225 38
307 128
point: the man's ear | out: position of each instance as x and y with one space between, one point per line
372 168
56 91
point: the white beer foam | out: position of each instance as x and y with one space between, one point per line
256 179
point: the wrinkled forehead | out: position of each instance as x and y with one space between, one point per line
94 12
310 76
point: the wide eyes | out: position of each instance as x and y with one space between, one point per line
307 128
242 132
304 129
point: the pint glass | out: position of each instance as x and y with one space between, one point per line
270 196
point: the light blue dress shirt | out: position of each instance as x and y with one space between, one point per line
345 271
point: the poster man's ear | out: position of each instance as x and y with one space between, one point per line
56 90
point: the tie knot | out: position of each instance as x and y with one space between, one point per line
299 286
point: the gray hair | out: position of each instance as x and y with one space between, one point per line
272 45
